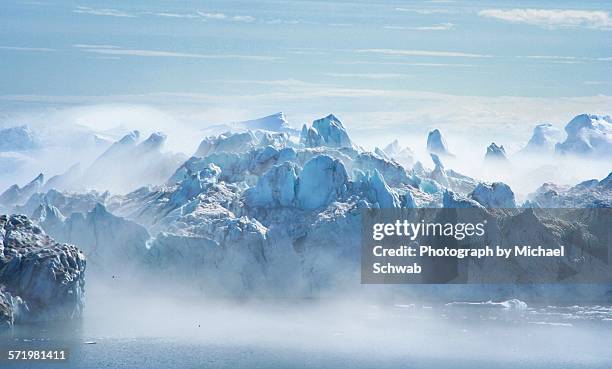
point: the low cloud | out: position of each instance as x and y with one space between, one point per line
552 18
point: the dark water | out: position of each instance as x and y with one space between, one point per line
338 336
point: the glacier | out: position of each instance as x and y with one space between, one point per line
261 209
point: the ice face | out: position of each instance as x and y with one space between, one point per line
322 180
46 275
495 195
195 183
277 187
453 200
376 190
588 135
233 143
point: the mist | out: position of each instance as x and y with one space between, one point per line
365 330
80 133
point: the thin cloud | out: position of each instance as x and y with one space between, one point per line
435 27
218 16
103 12
243 18
105 57
445 65
557 57
552 18
177 15
405 52
564 58
223 16
94 46
423 11
369 75
282 21
20 48
117 51
287 83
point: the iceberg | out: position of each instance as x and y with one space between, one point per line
68 179
19 138
15 195
112 244
257 212
436 144
496 153
272 123
495 195
41 279
227 142
128 164
376 190
404 156
543 140
328 131
588 194
588 135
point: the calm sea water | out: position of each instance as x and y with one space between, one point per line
339 336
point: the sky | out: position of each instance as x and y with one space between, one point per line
392 65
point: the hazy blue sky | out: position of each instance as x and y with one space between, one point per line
458 47
376 58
